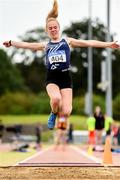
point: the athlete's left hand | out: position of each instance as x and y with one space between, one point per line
115 45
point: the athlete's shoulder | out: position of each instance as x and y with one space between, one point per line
70 40
42 45
66 39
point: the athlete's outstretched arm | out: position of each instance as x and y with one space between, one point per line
92 43
25 45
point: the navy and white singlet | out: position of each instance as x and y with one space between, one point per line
57 55
58 64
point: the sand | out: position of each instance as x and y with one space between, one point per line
37 173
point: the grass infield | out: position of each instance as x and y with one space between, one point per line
79 122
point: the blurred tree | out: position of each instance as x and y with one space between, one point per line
31 63
10 77
27 56
34 75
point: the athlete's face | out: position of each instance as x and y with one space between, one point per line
53 29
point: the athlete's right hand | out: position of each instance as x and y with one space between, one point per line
7 43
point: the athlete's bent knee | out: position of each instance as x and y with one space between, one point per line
55 100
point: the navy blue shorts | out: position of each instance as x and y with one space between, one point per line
61 79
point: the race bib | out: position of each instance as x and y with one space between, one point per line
56 57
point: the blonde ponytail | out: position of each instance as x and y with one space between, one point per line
54 12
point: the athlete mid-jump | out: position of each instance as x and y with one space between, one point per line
57 50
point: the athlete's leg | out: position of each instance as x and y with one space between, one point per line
66 106
64 139
55 96
55 102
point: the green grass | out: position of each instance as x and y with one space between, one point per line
23 119
79 122
11 158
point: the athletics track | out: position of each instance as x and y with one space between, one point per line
71 156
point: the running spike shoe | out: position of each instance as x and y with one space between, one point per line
51 120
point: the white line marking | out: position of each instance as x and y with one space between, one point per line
35 155
97 160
